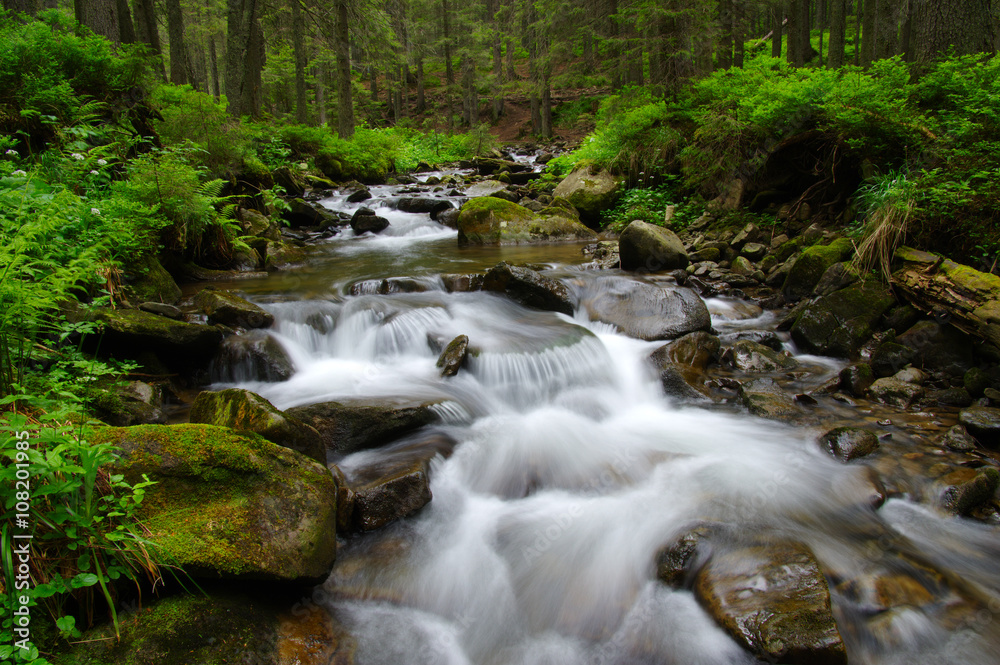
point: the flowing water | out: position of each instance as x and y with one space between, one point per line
571 470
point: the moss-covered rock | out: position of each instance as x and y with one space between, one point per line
651 248
453 356
293 180
838 324
348 428
128 332
765 398
591 191
228 504
284 256
848 443
982 422
146 280
809 268
753 358
967 489
231 310
528 287
132 403
249 412
489 220
894 392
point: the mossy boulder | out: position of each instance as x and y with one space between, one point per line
982 422
252 356
293 180
765 398
348 428
754 358
646 311
591 191
249 412
651 248
838 324
129 332
230 504
284 256
303 213
231 310
895 392
848 443
146 280
489 220
485 188
939 347
811 265
967 489
528 287
132 403
453 356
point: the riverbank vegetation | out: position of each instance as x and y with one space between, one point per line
116 149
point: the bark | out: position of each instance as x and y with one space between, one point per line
868 30
886 29
214 60
29 7
126 29
614 45
497 61
101 16
859 18
793 29
147 31
299 53
777 27
509 56
345 104
178 52
449 72
964 25
724 43
421 100
469 102
739 35
838 26
319 75
244 58
906 32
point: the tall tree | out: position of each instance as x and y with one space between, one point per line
345 103
301 60
245 58
148 32
838 26
179 69
29 7
964 25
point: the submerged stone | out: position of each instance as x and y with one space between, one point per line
848 443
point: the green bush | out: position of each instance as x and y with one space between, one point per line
649 205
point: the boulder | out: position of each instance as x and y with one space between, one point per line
249 412
890 357
529 288
838 324
303 213
894 392
145 279
254 356
676 380
982 422
382 493
646 311
485 188
753 251
856 379
742 266
604 254
939 347
765 398
128 332
957 438
696 350
651 248
591 191
453 356
449 218
427 205
492 221
838 276
368 224
132 403
753 358
967 489
291 179
809 268
348 428
284 255
228 504
359 196
848 443
231 310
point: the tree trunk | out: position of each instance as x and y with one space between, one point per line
244 58
886 29
345 104
859 17
838 27
497 62
739 35
421 101
299 53
965 25
126 29
214 59
101 17
905 43
147 31
178 52
449 73
792 29
469 102
29 7
868 30
614 45
777 27
724 42
319 75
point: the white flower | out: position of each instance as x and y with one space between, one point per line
19 172
77 156
94 173
95 211
102 162
11 153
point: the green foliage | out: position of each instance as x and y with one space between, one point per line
649 205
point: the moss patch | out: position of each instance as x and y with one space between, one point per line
488 220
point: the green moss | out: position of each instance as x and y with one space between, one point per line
491 221
148 281
810 266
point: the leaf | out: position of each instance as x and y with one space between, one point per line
83 580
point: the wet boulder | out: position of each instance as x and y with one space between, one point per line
982 422
939 347
849 443
253 356
453 356
894 392
231 310
128 332
228 504
485 188
958 438
284 255
890 357
753 358
489 220
134 403
365 220
303 213
359 196
427 205
145 279
765 398
449 218
695 350
673 378
856 379
249 412
838 276
381 493
967 489
346 428
838 324
591 191
646 311
651 248
811 265
528 287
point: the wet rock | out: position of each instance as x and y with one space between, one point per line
809 268
848 443
284 256
163 309
348 428
696 350
939 347
902 317
967 489
303 213
890 357
591 191
359 196
368 224
228 504
529 288
604 254
765 398
753 358
146 280
231 310
453 356
673 378
856 379
765 337
646 311
491 221
485 188
128 332
249 412
754 251
957 438
774 601
911 375
838 324
430 206
894 392
254 356
383 493
982 422
462 283
705 254
449 218
748 234
676 562
134 403
742 266
650 248
838 276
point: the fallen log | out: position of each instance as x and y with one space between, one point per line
968 298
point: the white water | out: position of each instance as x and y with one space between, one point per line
572 469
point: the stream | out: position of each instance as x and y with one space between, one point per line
567 469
